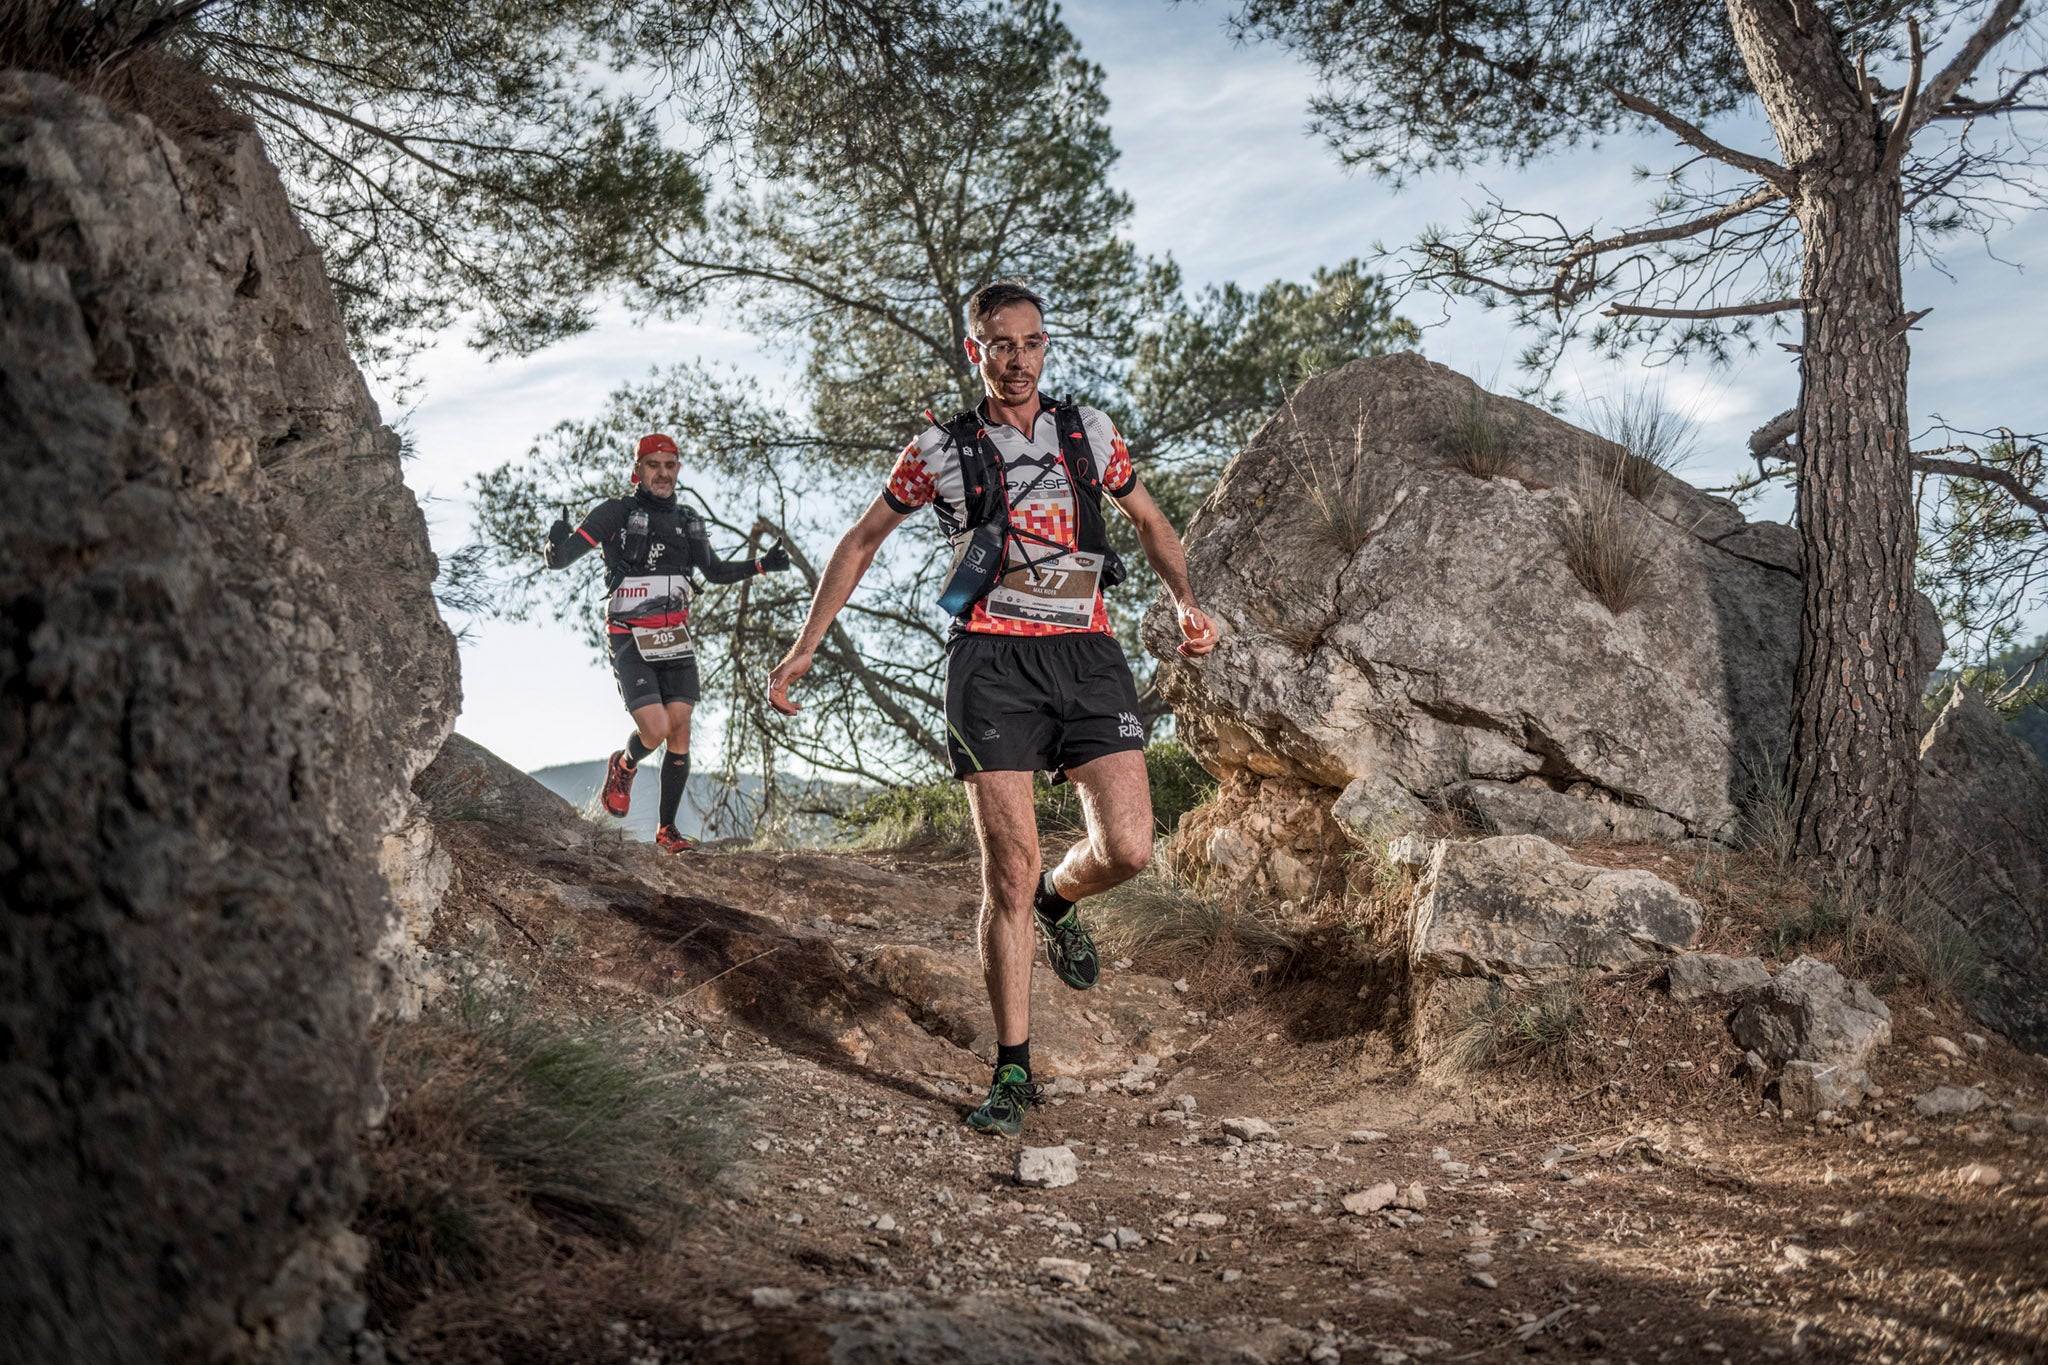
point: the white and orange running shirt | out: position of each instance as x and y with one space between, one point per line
1041 498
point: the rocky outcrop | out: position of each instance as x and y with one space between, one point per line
1409 634
1712 978
222 667
1514 908
1983 807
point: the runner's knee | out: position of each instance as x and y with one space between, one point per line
1125 856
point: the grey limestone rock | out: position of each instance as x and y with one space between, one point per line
1983 817
1810 1012
1047 1167
1516 908
1445 653
1711 978
1946 1100
1808 1088
220 668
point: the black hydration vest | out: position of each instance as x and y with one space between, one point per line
986 495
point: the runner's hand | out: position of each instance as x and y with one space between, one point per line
775 561
1198 633
794 665
560 531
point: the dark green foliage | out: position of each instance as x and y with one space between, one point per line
1179 783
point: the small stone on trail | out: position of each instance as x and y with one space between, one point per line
1944 1046
1482 1259
1371 1200
1414 1198
1181 985
885 1224
1231 1276
1365 1135
1048 1168
766 1297
2027 1123
1949 1099
1977 1041
1128 1239
1977 1173
1186 1103
1207 1220
1482 1279
1557 1154
1062 1271
1249 1130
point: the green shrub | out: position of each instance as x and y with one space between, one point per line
1179 783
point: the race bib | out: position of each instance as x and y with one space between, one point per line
650 594
664 644
1058 592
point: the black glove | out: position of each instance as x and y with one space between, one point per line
559 532
775 561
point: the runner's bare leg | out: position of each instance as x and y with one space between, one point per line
1116 807
1007 826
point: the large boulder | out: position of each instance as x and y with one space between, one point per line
222 667
1516 909
1983 807
1409 634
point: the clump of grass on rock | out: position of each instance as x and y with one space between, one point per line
511 1137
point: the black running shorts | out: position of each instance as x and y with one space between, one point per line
645 684
1037 703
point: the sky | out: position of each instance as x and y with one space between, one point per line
1226 178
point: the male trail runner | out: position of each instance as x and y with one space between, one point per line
650 545
1034 679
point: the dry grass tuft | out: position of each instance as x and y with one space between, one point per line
1165 916
1653 439
1351 492
1474 440
120 53
1609 544
1545 1027
511 1137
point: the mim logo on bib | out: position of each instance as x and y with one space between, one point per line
650 594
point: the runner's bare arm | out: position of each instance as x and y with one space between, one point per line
1170 562
850 560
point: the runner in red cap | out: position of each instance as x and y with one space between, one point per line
651 543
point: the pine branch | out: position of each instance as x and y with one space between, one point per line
1762 167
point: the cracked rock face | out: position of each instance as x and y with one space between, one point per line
220 667
1514 908
1809 1012
1427 642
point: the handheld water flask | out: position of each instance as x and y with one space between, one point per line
974 572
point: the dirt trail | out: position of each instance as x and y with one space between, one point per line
1641 1209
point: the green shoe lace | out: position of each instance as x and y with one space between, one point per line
1008 1097
1070 948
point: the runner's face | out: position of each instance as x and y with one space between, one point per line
1012 378
658 473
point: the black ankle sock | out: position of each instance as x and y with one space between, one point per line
635 750
1052 906
1014 1054
675 775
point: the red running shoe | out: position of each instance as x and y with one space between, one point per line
666 838
617 795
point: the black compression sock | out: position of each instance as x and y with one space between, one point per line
675 775
1014 1054
1052 906
635 750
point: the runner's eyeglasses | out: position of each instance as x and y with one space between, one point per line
1032 346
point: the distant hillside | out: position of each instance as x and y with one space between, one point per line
703 800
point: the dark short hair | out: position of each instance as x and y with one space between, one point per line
998 294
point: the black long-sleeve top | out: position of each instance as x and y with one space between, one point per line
653 590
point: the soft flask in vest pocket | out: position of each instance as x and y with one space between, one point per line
974 572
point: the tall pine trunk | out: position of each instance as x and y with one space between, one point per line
1856 693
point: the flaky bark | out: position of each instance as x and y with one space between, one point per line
1856 692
